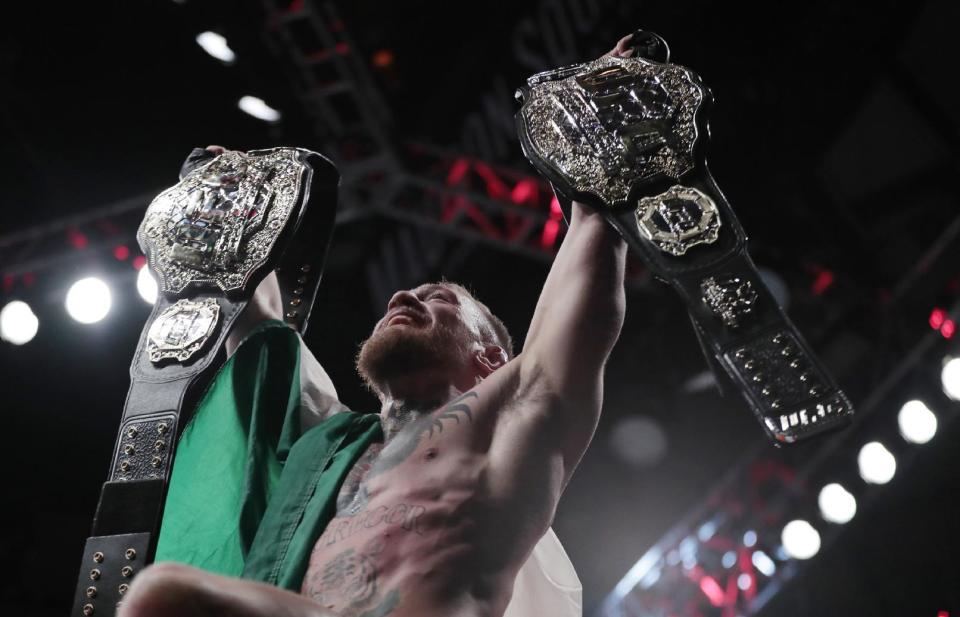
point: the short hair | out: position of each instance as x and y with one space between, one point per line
495 332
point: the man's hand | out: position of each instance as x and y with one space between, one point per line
622 48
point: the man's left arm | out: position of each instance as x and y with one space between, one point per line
575 325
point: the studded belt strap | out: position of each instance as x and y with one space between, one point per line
210 240
627 136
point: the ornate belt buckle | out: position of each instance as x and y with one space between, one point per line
215 228
600 130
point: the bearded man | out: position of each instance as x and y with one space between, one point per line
470 453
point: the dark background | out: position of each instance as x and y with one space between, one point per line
835 136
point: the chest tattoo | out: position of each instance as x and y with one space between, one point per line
405 429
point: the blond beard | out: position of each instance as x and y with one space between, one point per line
395 352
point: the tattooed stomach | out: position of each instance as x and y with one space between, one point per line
399 558
417 533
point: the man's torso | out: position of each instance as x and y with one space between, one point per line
437 520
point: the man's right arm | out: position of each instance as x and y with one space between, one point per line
318 395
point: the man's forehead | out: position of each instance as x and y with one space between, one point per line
428 287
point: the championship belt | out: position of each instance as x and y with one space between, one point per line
627 136
210 240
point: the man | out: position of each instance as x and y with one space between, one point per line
478 446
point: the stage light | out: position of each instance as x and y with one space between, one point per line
744 581
917 422
729 559
763 563
215 45
877 464
639 441
950 377
147 285
257 108
837 504
750 538
800 539
88 300
18 324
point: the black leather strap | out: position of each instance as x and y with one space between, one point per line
162 393
785 385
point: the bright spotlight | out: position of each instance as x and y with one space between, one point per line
800 539
18 324
837 504
917 422
257 108
877 464
215 45
88 300
950 377
146 285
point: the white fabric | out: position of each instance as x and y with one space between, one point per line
318 397
547 585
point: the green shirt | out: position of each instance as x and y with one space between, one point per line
251 491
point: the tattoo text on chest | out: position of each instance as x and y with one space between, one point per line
405 430
405 516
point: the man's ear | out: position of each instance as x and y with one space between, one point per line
489 358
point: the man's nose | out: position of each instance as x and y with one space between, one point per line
402 298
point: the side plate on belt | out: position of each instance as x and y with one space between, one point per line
181 330
627 136
214 228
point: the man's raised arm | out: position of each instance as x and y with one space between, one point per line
575 325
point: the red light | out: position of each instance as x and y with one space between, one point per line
121 252
383 59
139 261
8 282
948 329
943 613
342 48
77 239
524 190
29 278
823 282
552 227
711 588
937 316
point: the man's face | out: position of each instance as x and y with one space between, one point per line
427 328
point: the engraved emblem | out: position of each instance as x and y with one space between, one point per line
215 227
611 124
182 329
678 219
730 298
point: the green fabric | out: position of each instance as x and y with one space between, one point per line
250 493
